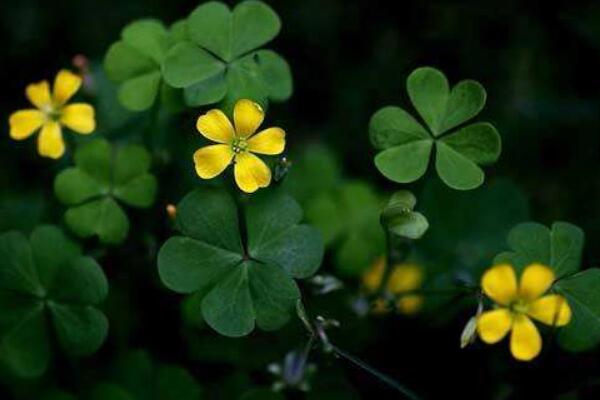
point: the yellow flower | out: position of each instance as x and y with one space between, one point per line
238 145
516 304
51 113
403 280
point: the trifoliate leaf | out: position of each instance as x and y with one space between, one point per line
48 291
100 180
221 59
135 61
559 247
406 145
242 284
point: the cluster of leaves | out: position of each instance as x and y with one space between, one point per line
48 293
406 145
241 282
213 55
101 177
560 247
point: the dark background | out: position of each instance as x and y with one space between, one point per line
539 64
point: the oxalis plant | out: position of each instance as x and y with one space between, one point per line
260 239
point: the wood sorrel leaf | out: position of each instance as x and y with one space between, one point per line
46 279
242 284
100 180
406 145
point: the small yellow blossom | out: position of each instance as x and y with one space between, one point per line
516 303
51 113
237 145
403 280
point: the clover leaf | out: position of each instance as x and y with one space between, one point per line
48 291
101 177
243 282
406 145
137 377
221 61
135 61
560 248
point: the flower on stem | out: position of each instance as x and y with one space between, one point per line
403 280
516 304
236 144
52 113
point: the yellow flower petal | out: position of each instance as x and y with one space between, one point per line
535 281
404 278
371 279
211 160
251 172
410 304
380 306
215 125
50 141
552 309
525 339
247 116
78 117
500 283
493 325
24 122
39 94
66 85
271 141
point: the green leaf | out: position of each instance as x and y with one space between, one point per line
429 90
187 64
97 181
399 217
148 36
466 100
210 215
228 307
274 295
103 217
66 288
406 144
109 391
254 24
80 330
187 265
276 75
139 93
392 126
74 186
456 170
208 91
581 291
135 62
244 81
559 247
123 62
274 236
478 142
405 163
240 289
232 34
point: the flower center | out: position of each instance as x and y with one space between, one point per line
239 145
52 112
519 306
